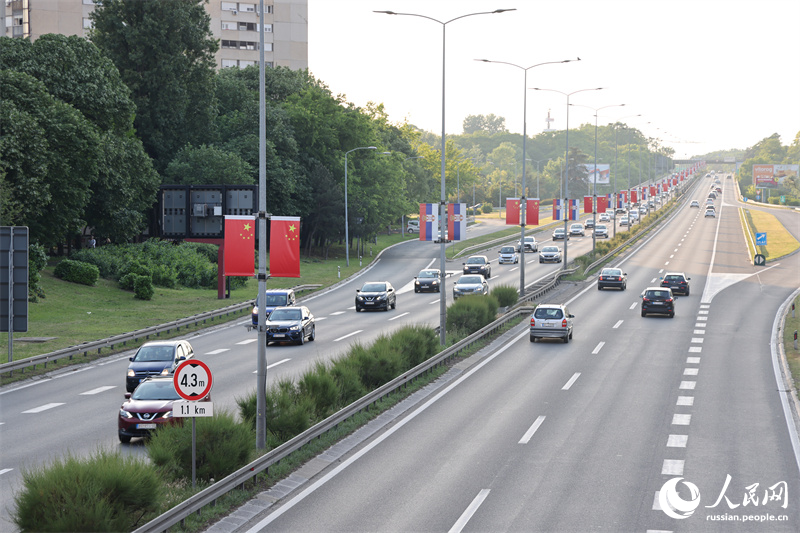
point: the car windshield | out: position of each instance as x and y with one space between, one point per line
428 274
674 278
470 280
576 226
600 227
657 294
156 390
373 287
559 230
154 353
476 261
286 314
550 249
507 250
273 300
611 272
548 313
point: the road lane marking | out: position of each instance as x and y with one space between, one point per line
398 316
348 335
41 408
701 318
528 434
469 511
681 420
98 390
436 301
571 381
618 324
274 364
690 371
703 312
677 441
633 305
697 340
247 341
320 318
598 348
5 470
672 467
685 400
692 360
699 331
339 312
687 385
695 349
215 352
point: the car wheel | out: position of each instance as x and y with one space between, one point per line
643 313
540 261
438 289
124 439
416 290
672 314
566 339
599 288
687 291
358 309
313 334
533 339
570 334
302 339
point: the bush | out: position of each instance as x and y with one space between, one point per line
37 260
106 492
223 445
377 365
319 385
348 382
506 295
471 313
487 208
77 272
143 287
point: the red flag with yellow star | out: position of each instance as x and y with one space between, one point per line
238 252
512 211
284 247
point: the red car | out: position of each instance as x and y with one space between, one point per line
148 408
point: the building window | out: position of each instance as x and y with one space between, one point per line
226 25
87 23
248 26
247 8
267 28
228 63
229 6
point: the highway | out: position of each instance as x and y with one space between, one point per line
606 420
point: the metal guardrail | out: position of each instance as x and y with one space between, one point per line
124 338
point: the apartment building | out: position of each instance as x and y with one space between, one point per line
235 24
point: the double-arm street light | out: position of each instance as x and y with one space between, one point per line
523 197
594 177
346 221
566 178
443 200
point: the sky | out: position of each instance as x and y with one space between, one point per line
703 75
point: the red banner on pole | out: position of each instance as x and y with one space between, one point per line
512 211
284 247
587 204
602 204
238 246
532 212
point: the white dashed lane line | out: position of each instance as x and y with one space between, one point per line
98 390
398 316
215 352
681 420
348 335
247 341
685 400
571 381
529 434
672 467
677 441
41 408
598 348
5 470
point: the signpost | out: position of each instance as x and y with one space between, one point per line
192 380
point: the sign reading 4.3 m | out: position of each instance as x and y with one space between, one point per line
192 380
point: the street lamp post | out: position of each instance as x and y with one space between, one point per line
346 221
566 178
443 201
523 198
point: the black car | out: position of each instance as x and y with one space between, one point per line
658 300
376 295
612 277
478 264
292 324
427 280
156 358
677 281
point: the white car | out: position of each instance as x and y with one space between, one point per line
633 215
413 226
508 254
577 229
695 203
550 254
601 230
623 221
530 244
711 213
604 217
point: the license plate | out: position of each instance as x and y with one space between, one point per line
145 426
675 287
547 325
658 303
278 335
369 303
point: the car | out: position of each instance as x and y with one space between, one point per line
604 217
508 254
577 229
643 210
478 264
695 203
413 226
601 230
291 324
550 254
633 215
612 277
470 284
148 408
376 295
551 321
588 224
427 280
712 195
711 206
621 212
560 234
273 298
710 213
652 204
530 244
677 281
156 358
624 221
658 300
718 190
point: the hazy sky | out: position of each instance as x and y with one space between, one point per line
704 74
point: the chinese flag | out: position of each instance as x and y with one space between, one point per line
512 211
238 246
602 204
284 247
587 204
532 212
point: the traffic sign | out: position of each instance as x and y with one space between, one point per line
182 409
761 239
192 380
759 260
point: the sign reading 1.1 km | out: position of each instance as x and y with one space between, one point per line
192 380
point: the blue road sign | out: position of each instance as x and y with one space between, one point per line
761 239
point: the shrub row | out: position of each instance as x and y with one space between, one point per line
77 272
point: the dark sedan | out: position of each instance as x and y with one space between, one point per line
291 324
612 277
478 264
376 295
427 280
677 281
658 300
156 358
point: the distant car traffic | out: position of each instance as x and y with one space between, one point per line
577 229
658 300
601 231
604 217
376 295
560 234
478 264
156 358
710 213
508 254
624 221
612 277
589 223
695 203
550 254
677 281
291 324
427 280
530 244
552 321
470 284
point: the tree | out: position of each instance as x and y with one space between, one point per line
490 124
577 173
208 165
164 51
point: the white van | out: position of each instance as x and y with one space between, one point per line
413 226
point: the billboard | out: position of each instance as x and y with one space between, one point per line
601 175
772 176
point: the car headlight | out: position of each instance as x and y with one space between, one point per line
125 414
294 328
131 373
416 282
381 297
168 414
255 310
435 282
167 371
359 298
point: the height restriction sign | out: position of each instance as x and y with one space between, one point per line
192 380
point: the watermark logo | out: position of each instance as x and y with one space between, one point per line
671 502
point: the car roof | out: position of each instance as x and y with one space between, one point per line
278 291
162 343
552 306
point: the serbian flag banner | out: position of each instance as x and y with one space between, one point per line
284 247
456 222
624 199
238 246
588 204
602 204
532 212
428 222
512 211
574 212
558 209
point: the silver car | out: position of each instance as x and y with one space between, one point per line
508 254
470 284
601 230
550 254
551 321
